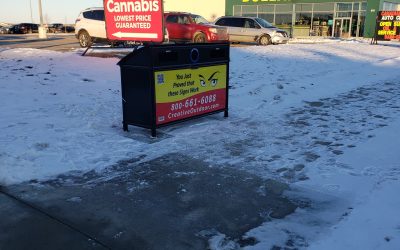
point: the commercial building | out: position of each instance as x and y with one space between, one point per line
329 18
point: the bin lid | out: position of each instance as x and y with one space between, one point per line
177 55
138 57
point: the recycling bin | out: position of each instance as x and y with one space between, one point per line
167 84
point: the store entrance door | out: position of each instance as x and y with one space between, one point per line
342 27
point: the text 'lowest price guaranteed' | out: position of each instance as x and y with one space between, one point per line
134 20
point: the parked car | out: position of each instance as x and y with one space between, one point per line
69 29
25 28
55 27
187 27
60 28
180 27
13 29
252 29
90 27
5 29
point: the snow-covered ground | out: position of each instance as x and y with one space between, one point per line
323 117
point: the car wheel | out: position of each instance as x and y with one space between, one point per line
200 38
264 40
84 39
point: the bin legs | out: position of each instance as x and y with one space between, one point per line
125 127
153 132
226 113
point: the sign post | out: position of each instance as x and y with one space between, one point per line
134 20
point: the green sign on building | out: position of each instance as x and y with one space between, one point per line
330 18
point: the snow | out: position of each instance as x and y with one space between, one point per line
320 116
377 203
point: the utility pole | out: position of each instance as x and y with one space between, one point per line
40 13
42 29
30 5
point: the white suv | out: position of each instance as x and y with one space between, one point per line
90 26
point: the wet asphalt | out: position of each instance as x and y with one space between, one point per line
173 202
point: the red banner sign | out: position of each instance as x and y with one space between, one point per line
134 20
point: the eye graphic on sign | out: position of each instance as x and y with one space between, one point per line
213 80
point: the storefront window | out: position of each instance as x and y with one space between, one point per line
319 7
303 24
266 8
249 9
303 7
250 14
322 24
343 14
391 6
303 19
316 19
361 24
356 6
354 23
267 17
364 6
283 8
237 10
283 19
344 7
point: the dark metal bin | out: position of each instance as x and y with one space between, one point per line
166 84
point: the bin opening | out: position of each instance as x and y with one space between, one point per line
218 53
194 55
168 56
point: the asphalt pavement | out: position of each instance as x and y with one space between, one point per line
56 42
173 202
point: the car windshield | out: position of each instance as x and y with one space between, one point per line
199 19
264 23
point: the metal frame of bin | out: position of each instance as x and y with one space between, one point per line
149 105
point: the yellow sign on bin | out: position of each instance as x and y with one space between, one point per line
184 93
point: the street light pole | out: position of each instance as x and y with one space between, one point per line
30 5
42 29
40 13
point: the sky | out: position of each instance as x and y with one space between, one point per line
66 11
55 11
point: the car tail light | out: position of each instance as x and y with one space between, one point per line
213 30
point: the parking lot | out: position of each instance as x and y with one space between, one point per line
63 43
56 42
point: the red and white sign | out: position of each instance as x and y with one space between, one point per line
134 20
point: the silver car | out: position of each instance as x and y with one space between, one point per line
252 29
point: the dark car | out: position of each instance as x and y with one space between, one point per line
187 27
13 29
69 29
24 28
55 27
5 29
60 28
